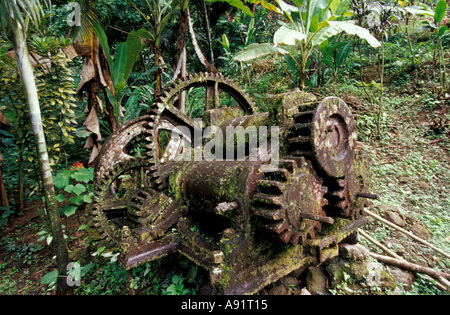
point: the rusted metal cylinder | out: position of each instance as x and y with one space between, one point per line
207 184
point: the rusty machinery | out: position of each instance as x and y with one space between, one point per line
246 224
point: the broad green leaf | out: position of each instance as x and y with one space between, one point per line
60 181
77 200
298 3
342 54
49 239
118 69
103 40
134 47
87 199
60 198
79 189
419 10
353 29
441 7
287 36
69 188
257 50
225 43
69 210
334 6
83 227
83 175
316 11
324 34
49 277
291 64
442 30
11 114
287 8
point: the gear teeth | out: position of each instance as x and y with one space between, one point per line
295 239
268 214
270 187
272 207
338 198
303 116
277 175
279 227
286 236
268 199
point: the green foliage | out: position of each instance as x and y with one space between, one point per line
121 67
56 91
5 213
76 184
20 11
176 287
306 30
236 3
24 253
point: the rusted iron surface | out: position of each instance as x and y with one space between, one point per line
246 223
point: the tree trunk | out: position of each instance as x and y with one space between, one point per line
20 192
3 197
159 71
208 31
23 61
201 57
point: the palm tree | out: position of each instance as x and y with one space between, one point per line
15 16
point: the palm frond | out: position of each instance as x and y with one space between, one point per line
21 11
88 15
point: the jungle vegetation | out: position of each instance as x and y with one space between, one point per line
389 60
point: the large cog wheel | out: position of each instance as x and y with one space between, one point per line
289 202
173 129
127 143
216 85
123 199
136 154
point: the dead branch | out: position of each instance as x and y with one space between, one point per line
406 233
391 253
439 275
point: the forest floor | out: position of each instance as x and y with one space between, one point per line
410 172
24 258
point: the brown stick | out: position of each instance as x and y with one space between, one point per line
374 241
406 233
439 275
391 253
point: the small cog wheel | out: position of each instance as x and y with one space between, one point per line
289 202
342 196
325 132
